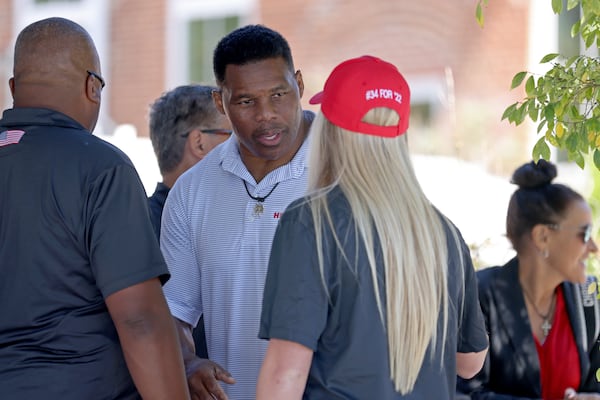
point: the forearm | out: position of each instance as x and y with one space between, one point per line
284 372
186 343
156 346
149 341
202 374
276 384
469 364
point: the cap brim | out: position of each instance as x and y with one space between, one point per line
316 99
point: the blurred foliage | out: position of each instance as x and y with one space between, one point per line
565 102
593 264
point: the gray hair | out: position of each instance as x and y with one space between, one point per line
173 116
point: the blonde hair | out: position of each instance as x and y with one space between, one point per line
387 203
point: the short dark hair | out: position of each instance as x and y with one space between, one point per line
537 200
247 44
175 114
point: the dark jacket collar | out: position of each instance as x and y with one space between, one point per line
516 321
24 116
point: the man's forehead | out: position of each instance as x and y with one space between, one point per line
258 73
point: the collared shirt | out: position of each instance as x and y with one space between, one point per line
217 249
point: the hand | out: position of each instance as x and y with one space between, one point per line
571 394
203 376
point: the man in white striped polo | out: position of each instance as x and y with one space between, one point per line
220 217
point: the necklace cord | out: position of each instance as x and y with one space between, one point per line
544 317
258 198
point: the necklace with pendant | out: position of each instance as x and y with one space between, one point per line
546 324
258 207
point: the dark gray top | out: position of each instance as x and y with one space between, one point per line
347 334
74 229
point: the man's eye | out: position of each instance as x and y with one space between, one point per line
245 102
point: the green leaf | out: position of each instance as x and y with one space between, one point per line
518 79
557 6
578 158
548 57
508 113
520 114
541 125
589 41
575 29
551 138
549 114
573 113
530 86
597 164
571 143
571 60
533 112
479 15
591 6
541 149
571 4
598 370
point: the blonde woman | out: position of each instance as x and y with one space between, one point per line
370 292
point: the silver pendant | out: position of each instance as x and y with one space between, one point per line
546 326
258 209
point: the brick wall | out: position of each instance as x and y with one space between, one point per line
137 60
424 39
6 49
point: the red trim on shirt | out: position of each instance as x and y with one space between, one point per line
559 358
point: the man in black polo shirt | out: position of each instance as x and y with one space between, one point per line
81 304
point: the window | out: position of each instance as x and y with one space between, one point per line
194 27
204 34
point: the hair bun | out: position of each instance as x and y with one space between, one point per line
533 175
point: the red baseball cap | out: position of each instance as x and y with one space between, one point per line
360 84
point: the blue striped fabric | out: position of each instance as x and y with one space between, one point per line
217 251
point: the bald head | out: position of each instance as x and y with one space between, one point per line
51 60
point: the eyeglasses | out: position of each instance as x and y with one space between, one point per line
585 232
213 131
100 79
217 131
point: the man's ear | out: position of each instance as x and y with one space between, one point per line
195 144
300 82
92 90
217 96
11 85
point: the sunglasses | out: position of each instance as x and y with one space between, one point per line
585 233
215 131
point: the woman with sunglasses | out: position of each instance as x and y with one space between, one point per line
541 309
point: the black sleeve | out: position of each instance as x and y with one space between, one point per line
472 335
120 241
477 387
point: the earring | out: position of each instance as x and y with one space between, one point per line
545 253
